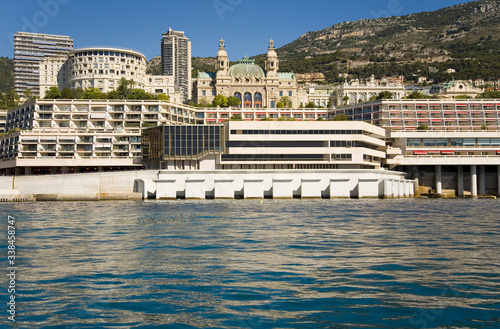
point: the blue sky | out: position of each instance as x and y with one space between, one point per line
246 25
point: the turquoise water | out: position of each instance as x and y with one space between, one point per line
412 263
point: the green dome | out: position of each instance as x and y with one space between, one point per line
245 67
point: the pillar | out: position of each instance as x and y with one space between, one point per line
414 172
439 188
482 180
17 171
460 181
498 180
473 180
28 171
64 170
76 170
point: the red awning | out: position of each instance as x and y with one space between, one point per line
449 112
436 119
498 152
420 152
433 151
448 152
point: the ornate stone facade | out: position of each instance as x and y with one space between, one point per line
254 86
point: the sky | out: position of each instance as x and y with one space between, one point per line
246 25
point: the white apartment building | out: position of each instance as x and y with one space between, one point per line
438 140
176 61
30 49
265 145
54 136
102 68
357 92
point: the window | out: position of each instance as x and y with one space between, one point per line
469 142
414 142
289 93
281 93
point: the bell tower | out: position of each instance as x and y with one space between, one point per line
222 59
272 63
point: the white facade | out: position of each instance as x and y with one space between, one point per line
357 92
102 68
176 61
30 49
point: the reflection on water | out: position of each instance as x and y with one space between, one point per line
238 263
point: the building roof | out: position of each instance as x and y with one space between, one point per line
286 75
206 75
246 67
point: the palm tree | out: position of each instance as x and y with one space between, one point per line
125 87
28 93
12 99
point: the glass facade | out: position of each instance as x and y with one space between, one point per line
192 141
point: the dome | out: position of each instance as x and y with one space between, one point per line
246 67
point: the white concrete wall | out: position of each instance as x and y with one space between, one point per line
92 186
278 183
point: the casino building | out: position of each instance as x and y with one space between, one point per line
254 86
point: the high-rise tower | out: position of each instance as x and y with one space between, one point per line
29 50
176 60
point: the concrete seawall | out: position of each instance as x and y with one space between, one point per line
277 184
74 187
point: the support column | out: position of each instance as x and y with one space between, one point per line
28 171
17 171
498 180
76 170
482 180
473 180
64 170
439 188
460 182
414 172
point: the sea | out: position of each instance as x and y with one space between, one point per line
406 263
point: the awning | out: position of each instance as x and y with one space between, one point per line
433 151
419 152
448 152
498 152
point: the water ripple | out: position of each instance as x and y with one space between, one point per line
249 264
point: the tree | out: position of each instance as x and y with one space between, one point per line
280 105
52 93
340 117
310 105
93 93
235 117
12 99
233 101
162 97
28 93
287 102
125 87
345 99
3 100
489 94
66 94
77 93
139 94
113 94
384 95
416 95
220 101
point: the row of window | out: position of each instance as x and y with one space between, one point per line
452 142
296 132
273 157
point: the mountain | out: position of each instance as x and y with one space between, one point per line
6 74
464 37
